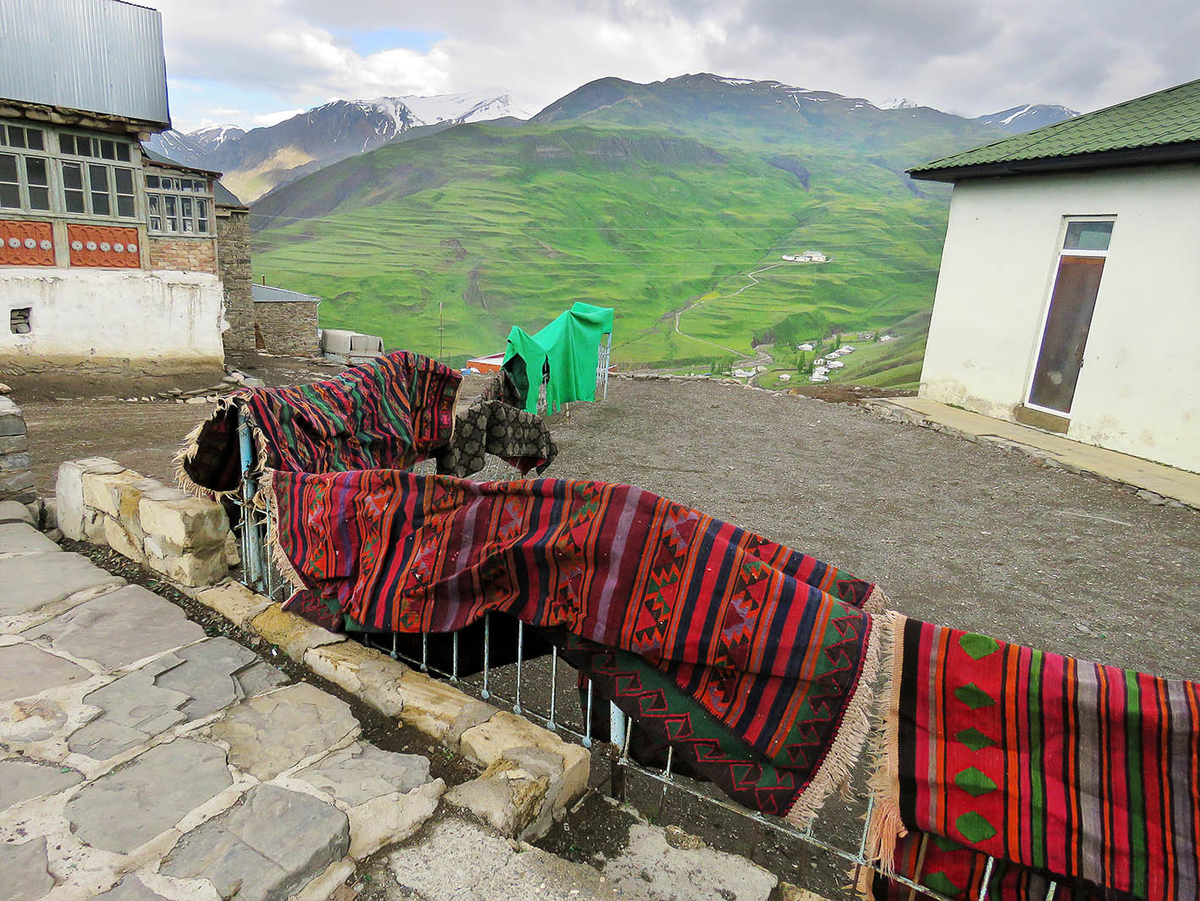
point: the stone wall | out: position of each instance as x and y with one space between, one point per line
16 479
233 262
182 537
288 328
183 254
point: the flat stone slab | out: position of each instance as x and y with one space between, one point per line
21 538
21 780
25 870
14 511
457 860
650 867
124 809
130 889
36 580
266 847
120 628
26 670
179 687
356 774
269 734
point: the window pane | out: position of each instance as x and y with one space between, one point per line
10 196
4 135
123 179
16 136
98 178
186 207
151 181
39 198
8 167
123 153
1065 336
35 171
67 143
100 204
35 139
125 205
155 223
154 202
1087 235
72 175
170 203
108 150
74 201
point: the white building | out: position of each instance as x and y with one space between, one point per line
836 364
805 347
1071 252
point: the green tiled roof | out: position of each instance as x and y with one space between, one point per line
1156 121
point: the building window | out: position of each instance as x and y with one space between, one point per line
24 168
178 206
36 179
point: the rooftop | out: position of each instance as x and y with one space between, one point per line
1160 127
271 294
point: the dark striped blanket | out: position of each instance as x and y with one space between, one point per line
758 658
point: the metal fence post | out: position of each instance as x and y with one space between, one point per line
249 526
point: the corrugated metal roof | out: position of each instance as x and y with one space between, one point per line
271 294
1156 122
96 56
225 197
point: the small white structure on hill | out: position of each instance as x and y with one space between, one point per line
846 349
1070 252
836 364
818 378
883 338
804 347
809 256
785 377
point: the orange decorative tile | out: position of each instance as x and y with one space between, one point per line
26 243
105 246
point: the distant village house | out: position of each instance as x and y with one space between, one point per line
1071 257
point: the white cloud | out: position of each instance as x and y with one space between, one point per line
967 58
267 119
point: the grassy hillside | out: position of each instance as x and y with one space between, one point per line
657 205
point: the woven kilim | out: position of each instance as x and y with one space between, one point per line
391 412
770 645
1085 772
518 437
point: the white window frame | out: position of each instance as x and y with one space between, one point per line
165 189
22 156
1040 335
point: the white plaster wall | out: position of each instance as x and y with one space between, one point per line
1139 388
135 314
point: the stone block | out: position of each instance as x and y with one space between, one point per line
36 580
17 486
130 889
93 527
14 511
49 514
21 538
234 601
506 797
267 847
293 634
11 462
26 670
26 868
21 780
68 493
369 675
125 808
186 523
12 422
123 540
11 444
430 705
116 494
192 568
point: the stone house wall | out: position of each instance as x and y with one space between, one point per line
183 254
16 478
233 262
288 328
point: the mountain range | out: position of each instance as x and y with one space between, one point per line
263 158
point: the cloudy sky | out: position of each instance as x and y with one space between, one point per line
253 62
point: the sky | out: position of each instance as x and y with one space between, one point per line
256 62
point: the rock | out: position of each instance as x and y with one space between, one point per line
267 847
17 486
650 867
125 541
677 838
125 808
1155 499
15 461
272 733
120 628
294 634
35 580
21 780
117 494
26 870
183 523
26 670
68 492
253 383
196 401
460 860
5 389
20 538
507 797
12 422
371 676
55 535
192 568
14 512
235 602
13 444
49 514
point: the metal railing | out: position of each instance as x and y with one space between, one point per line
531 686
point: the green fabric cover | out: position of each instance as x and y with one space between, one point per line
571 346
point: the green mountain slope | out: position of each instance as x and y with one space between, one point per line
657 200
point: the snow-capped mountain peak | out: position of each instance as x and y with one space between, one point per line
1028 116
898 103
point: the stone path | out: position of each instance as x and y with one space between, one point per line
141 760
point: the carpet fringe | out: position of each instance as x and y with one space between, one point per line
877 602
838 766
265 496
885 827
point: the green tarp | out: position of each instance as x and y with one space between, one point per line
569 346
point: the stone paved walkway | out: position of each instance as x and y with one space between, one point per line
140 759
